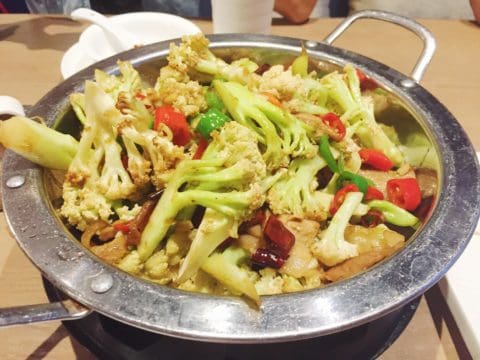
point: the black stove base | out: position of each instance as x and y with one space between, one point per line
110 339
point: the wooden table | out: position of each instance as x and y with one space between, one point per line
31 48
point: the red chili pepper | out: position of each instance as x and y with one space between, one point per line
282 240
202 145
373 194
339 197
404 193
372 218
176 121
333 120
376 159
366 83
124 227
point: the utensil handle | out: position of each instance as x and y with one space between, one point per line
11 106
418 29
62 310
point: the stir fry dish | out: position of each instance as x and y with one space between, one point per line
232 178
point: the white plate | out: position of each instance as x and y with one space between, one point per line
74 60
461 289
148 27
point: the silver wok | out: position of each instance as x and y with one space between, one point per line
346 304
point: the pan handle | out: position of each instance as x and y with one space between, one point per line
422 32
61 310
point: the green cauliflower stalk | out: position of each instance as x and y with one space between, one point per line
145 148
213 230
226 267
150 153
96 176
344 90
128 82
297 192
281 134
77 100
331 247
394 214
230 180
216 227
38 143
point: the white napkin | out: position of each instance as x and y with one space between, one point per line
461 289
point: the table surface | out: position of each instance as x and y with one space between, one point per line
31 49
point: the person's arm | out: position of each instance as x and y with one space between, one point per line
296 11
476 9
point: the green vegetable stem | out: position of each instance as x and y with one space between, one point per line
300 64
345 176
393 214
327 154
213 100
360 181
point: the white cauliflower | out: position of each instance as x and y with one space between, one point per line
131 263
83 206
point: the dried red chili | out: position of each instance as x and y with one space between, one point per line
372 218
281 238
267 258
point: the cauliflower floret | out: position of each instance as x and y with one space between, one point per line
186 55
157 268
129 80
162 266
297 93
178 243
204 283
330 247
157 147
270 282
125 214
297 193
176 88
279 82
313 280
82 206
291 284
131 263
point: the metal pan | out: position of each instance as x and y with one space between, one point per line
367 296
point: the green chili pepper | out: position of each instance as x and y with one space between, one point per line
360 181
213 100
394 214
327 154
300 64
212 120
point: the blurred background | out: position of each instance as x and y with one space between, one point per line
459 9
